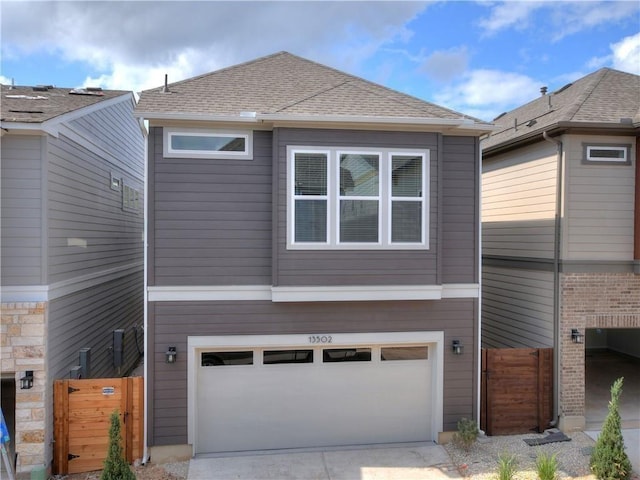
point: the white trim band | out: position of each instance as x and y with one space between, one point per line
310 293
47 293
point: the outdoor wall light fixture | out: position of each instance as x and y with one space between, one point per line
457 347
576 336
26 382
171 354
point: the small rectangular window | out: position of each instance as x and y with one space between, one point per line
271 357
331 355
198 143
607 153
214 359
405 353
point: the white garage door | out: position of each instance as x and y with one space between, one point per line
294 397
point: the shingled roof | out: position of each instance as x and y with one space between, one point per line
284 85
606 99
42 103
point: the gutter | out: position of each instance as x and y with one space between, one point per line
253 117
556 275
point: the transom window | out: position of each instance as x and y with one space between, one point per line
348 198
199 143
607 153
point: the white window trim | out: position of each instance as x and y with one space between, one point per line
618 148
199 132
333 201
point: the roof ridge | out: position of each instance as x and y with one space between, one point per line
596 78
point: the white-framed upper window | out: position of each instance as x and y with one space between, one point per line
607 153
357 198
202 143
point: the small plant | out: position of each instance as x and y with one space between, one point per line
506 466
115 466
609 461
547 466
466 435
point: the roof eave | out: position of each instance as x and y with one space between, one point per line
461 124
560 128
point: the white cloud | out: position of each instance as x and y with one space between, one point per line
487 93
4 80
445 65
139 39
626 54
509 14
557 19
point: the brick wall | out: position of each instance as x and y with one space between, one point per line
591 300
22 339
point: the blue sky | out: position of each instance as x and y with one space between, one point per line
480 58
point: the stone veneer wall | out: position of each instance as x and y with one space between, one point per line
590 300
23 346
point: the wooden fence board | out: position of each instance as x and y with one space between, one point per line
82 411
516 390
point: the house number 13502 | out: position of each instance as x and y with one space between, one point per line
320 339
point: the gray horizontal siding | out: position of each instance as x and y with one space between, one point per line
353 267
21 197
599 204
82 205
460 210
519 203
517 308
173 322
210 219
87 318
119 133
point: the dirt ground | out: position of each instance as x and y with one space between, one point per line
143 472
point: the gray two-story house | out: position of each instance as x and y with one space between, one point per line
312 267
71 250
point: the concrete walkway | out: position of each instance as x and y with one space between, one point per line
385 463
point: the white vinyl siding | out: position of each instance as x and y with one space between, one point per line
517 308
599 204
519 203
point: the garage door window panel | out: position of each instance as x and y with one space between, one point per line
272 357
337 355
217 359
404 353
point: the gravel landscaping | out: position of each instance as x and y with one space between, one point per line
481 462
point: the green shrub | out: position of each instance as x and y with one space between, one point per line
507 465
547 466
609 461
115 466
466 435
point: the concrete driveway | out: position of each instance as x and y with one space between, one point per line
385 463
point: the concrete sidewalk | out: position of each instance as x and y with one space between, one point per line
424 461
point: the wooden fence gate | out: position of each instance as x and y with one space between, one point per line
82 411
516 390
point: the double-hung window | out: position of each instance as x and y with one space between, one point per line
357 198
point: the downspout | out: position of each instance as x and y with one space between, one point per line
556 276
636 218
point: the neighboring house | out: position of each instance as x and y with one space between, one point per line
72 248
561 228
313 254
